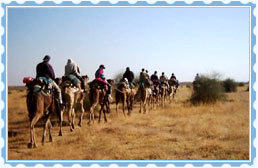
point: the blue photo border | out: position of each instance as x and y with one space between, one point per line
125 163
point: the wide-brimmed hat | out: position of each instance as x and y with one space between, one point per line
46 58
102 66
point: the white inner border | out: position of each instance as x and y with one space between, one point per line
94 161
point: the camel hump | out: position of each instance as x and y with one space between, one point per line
97 84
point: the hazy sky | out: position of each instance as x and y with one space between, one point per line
185 41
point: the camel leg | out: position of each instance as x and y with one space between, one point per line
48 126
32 131
91 119
44 131
144 103
49 129
73 118
90 116
61 122
70 117
131 105
140 107
100 112
144 107
82 113
123 106
105 116
128 106
117 107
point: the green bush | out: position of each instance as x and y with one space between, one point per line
207 90
241 84
230 85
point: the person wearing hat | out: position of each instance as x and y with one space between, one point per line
129 75
72 71
99 75
45 71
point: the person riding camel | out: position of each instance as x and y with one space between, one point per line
147 74
99 76
173 81
163 79
45 71
155 78
143 81
142 78
72 71
129 75
173 77
197 77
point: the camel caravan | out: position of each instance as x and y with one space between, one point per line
49 95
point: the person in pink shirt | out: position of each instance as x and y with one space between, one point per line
99 75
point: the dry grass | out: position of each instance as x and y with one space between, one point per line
178 132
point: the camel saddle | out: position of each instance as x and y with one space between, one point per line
96 84
40 84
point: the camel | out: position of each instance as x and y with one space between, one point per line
163 93
155 96
125 95
172 91
144 97
73 98
131 97
40 102
98 95
121 95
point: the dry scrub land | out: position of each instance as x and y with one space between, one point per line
180 131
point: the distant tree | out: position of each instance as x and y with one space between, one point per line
230 85
207 89
241 83
118 76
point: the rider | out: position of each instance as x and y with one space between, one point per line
142 78
155 78
147 74
72 71
99 75
173 77
129 75
163 79
45 71
197 77
174 81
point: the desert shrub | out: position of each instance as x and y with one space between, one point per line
229 85
118 76
207 90
188 86
241 84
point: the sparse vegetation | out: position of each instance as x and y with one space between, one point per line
179 131
230 85
188 86
241 84
207 90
